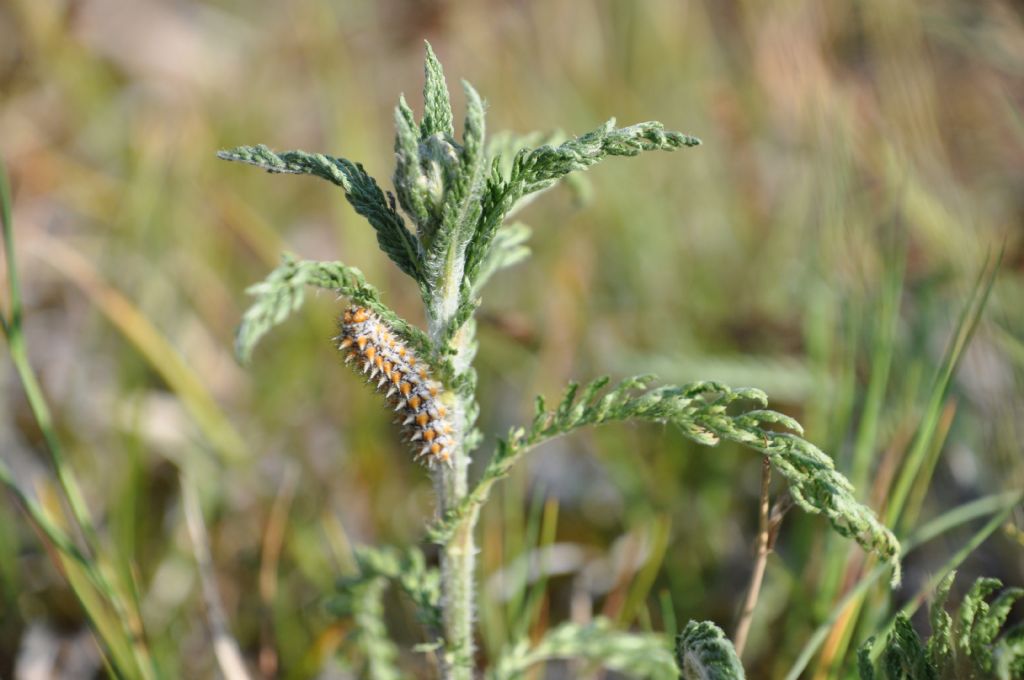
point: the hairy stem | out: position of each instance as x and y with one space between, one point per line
763 548
451 484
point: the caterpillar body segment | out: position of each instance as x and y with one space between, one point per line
392 368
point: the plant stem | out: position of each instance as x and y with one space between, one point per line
763 548
451 484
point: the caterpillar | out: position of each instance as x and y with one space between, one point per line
370 345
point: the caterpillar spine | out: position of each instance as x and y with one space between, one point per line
371 347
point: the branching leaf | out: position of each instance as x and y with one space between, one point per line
703 652
284 290
904 655
537 169
940 645
971 648
289 162
504 147
437 107
637 655
702 412
361 598
865 668
361 190
411 185
408 569
973 610
379 651
508 248
464 174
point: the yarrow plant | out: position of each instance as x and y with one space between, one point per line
972 645
455 194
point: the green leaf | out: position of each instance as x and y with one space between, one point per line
699 410
980 622
408 569
361 190
497 200
940 645
283 292
372 639
410 183
972 611
394 239
537 169
1009 654
508 249
904 655
971 649
637 655
464 171
504 146
289 162
473 134
463 208
703 652
989 625
865 669
437 107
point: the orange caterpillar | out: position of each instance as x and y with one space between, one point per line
407 385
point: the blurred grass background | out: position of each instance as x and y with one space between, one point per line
860 162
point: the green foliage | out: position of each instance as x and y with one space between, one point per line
537 169
366 607
407 568
637 655
702 412
361 190
461 207
437 108
458 195
508 248
972 645
284 290
360 598
144 196
703 652
996 508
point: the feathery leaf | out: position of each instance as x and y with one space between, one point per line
638 655
283 292
537 169
700 411
437 107
969 648
361 190
703 652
